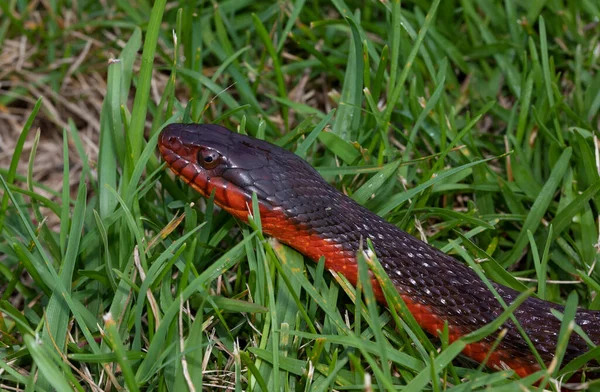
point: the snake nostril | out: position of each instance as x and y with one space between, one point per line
173 142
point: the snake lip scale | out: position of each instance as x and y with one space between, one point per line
299 208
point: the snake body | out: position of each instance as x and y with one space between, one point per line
302 210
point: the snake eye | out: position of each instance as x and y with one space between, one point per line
209 159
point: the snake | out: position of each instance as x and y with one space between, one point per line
301 209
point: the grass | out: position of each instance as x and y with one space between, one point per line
474 124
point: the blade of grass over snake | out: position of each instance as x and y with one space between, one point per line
446 356
566 329
376 327
506 307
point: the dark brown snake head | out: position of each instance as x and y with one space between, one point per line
212 158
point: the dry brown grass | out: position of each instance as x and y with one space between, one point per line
72 89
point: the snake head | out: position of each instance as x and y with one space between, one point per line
211 158
193 150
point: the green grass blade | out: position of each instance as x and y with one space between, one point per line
539 207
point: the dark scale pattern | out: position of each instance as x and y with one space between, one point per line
452 291
424 273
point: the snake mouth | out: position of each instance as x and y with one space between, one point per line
180 157
174 151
